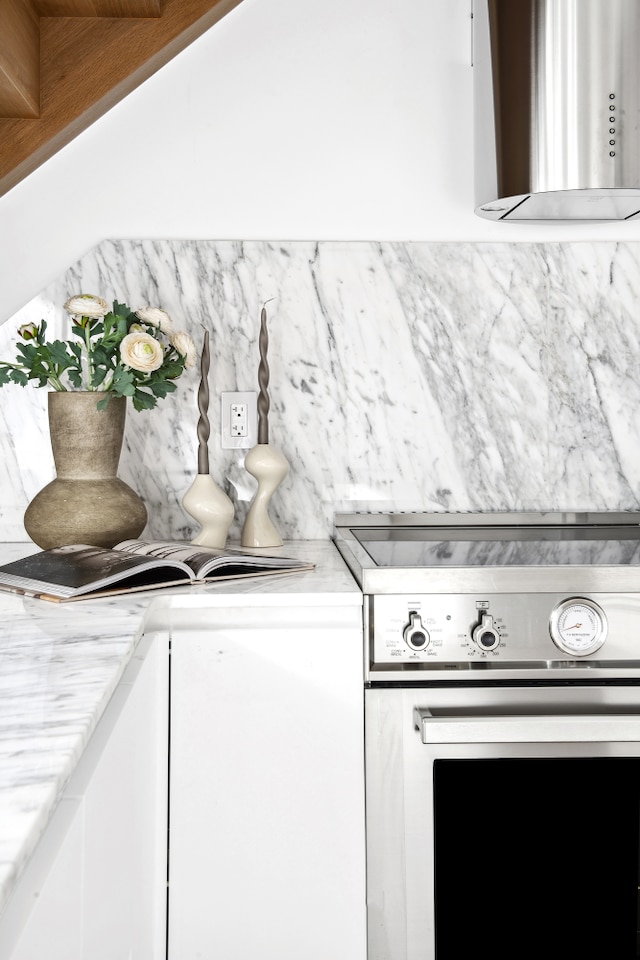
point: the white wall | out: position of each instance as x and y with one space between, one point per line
290 119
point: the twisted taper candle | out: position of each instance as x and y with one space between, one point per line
263 381
203 406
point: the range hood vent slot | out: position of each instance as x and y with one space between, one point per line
557 110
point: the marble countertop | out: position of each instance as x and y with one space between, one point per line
60 664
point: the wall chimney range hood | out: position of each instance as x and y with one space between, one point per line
557 110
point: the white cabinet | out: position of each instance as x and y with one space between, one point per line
96 884
267 856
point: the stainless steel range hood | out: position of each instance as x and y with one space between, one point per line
557 110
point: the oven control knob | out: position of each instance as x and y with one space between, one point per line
415 635
485 635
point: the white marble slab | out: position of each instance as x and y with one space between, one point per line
58 668
404 376
60 663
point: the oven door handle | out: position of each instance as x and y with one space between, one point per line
516 728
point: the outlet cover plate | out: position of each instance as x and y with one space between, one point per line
227 401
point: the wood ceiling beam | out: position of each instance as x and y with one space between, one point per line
98 8
88 64
19 59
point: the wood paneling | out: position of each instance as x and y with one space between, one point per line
19 59
98 8
88 64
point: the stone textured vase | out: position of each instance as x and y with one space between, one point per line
87 502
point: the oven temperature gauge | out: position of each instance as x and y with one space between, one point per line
578 626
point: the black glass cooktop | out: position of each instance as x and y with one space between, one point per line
503 547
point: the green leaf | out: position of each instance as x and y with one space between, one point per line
116 324
28 351
59 355
121 309
98 376
172 369
123 389
123 384
19 377
142 400
161 388
103 356
11 374
122 374
122 316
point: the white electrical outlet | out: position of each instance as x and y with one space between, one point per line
239 418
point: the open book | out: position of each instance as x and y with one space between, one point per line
80 571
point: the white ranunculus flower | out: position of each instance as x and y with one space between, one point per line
156 317
185 347
141 352
86 305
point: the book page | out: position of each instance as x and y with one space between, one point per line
78 568
210 561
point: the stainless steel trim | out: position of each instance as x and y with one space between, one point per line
471 675
507 580
588 518
575 579
527 729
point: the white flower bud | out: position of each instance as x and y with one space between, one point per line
185 347
86 305
156 317
28 331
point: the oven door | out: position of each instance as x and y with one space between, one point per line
503 822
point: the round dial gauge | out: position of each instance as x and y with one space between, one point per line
578 626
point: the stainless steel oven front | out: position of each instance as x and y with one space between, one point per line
502 737
502 822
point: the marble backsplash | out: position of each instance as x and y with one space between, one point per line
404 376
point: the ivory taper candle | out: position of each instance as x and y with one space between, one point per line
203 406
263 380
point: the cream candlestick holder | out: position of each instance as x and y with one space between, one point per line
269 468
212 508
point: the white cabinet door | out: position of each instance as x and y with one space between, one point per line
95 888
267 787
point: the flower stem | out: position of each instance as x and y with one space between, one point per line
87 341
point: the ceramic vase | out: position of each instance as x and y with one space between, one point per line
87 502
269 467
212 508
